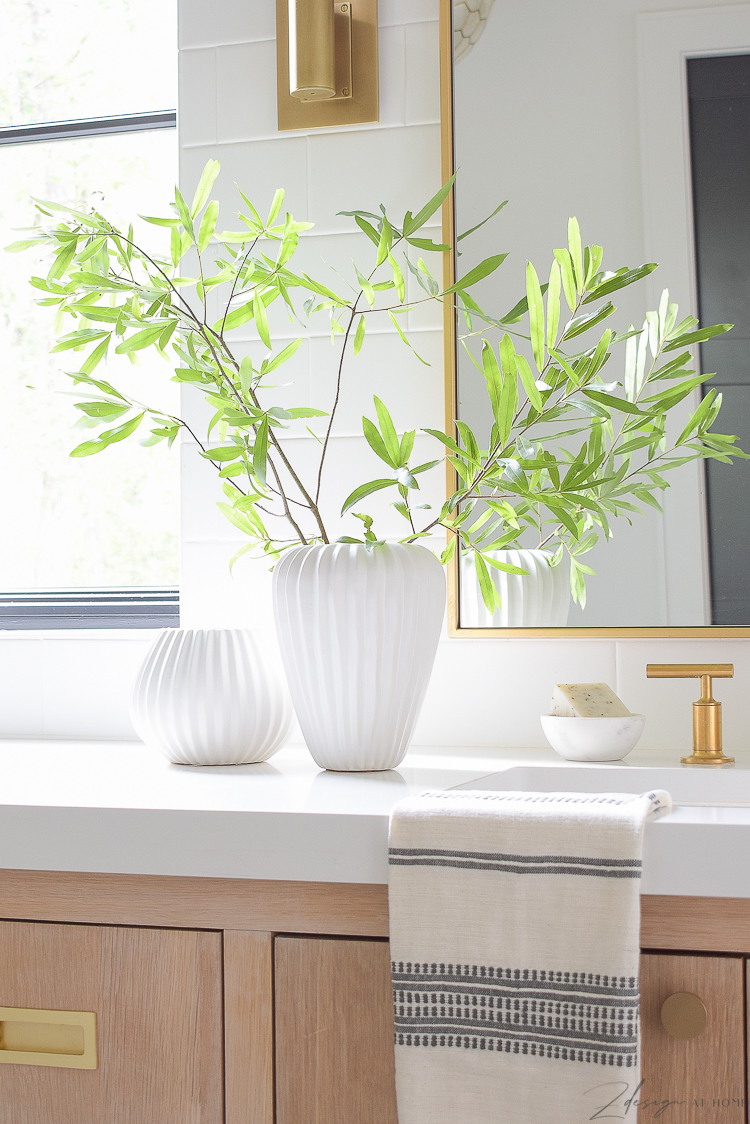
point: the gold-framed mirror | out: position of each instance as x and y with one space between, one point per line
626 119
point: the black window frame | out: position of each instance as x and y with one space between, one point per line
102 606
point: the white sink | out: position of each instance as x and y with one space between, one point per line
689 786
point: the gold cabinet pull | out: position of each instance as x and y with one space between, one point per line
683 1015
66 1039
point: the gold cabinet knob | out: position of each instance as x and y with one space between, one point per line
683 1015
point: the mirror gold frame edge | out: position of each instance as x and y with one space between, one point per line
450 373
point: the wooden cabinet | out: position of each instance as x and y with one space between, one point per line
232 1002
704 1076
157 998
334 1032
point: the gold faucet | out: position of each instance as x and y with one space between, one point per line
706 711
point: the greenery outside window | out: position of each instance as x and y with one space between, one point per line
86 95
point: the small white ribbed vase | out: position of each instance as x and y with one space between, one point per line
358 631
541 599
209 697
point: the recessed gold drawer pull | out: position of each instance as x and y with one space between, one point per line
683 1015
58 1038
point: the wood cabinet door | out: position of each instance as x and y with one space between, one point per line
702 1078
334 1032
157 998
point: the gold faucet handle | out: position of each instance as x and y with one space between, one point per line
706 710
689 670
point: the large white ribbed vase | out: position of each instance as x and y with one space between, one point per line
358 631
540 599
211 697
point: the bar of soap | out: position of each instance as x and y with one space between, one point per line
586 700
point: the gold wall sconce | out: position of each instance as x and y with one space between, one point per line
326 63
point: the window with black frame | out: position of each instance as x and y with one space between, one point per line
87 96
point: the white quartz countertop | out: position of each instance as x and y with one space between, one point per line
121 808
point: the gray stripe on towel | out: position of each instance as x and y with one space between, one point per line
507 868
513 857
610 1043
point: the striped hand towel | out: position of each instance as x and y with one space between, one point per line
514 923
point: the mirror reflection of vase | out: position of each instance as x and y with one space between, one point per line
540 599
469 21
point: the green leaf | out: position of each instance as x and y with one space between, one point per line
77 339
553 304
206 182
471 230
700 336
365 490
427 465
366 227
260 451
238 316
233 236
508 357
95 356
306 412
582 324
529 385
167 334
592 260
619 281
568 280
398 328
449 551
108 437
506 567
412 224
184 213
398 277
102 409
93 248
88 448
376 443
160 222
612 402
62 260
141 339
536 315
508 402
576 253
407 444
366 287
384 245
492 376
569 371
388 431
699 415
236 468
446 440
489 592
261 320
208 225
276 205
23 244
469 440
287 353
484 269
359 336
223 453
428 244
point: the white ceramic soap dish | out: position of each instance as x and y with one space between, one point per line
593 739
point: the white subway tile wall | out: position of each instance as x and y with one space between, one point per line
483 692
